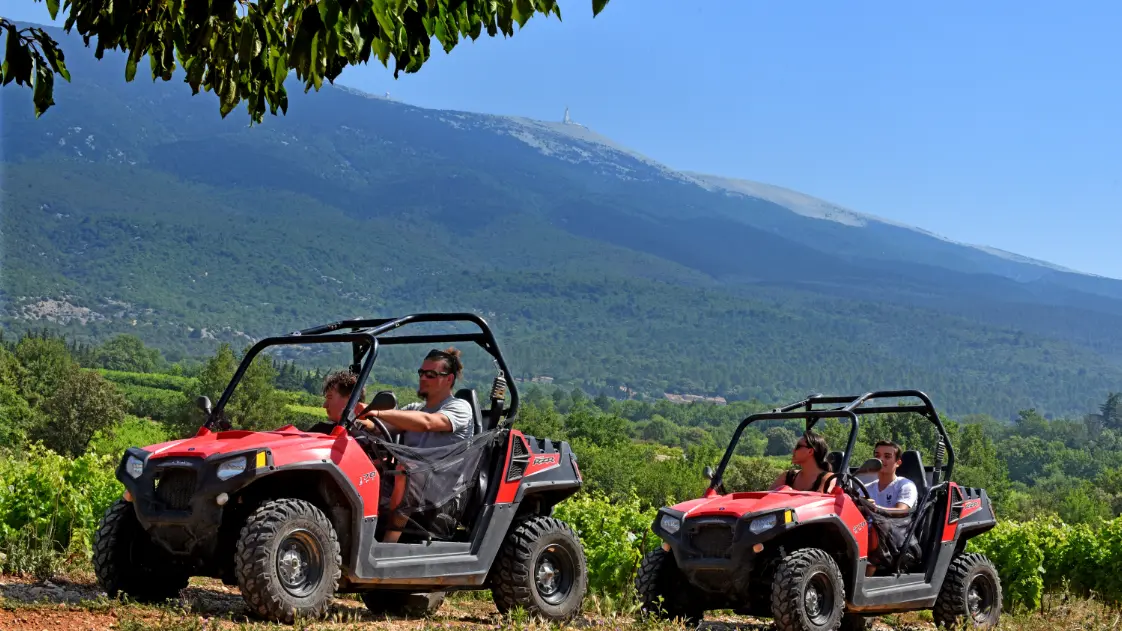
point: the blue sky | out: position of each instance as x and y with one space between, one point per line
997 123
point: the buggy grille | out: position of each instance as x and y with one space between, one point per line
174 488
713 539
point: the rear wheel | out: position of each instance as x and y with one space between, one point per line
664 592
808 593
541 567
126 560
288 561
971 593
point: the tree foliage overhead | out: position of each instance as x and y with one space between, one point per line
244 50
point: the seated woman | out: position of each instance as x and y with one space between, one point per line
814 473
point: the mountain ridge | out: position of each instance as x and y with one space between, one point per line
599 266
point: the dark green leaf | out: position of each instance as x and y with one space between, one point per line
44 89
52 7
246 45
521 11
329 13
53 54
130 67
17 60
229 96
597 7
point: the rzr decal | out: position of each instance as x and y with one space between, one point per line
542 462
367 477
971 505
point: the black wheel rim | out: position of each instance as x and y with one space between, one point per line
818 599
554 573
299 563
980 597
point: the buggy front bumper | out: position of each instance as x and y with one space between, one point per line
180 501
716 549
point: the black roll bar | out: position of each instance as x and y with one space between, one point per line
851 408
366 336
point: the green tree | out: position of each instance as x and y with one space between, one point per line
660 430
1111 411
11 372
244 51
46 362
16 417
255 403
85 403
978 462
128 353
540 419
780 441
586 423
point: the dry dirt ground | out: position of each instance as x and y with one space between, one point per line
74 601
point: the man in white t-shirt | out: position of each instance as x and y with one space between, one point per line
889 490
440 420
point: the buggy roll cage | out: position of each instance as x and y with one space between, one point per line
850 408
366 336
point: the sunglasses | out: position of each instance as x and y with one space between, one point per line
431 374
801 445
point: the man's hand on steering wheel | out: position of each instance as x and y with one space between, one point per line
375 425
857 489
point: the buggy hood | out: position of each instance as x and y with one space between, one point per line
206 443
739 504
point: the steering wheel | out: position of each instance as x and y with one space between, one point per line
379 426
853 483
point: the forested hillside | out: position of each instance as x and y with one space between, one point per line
132 208
71 409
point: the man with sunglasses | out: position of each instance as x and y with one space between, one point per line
441 419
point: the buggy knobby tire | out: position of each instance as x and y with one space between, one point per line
288 561
807 593
541 568
398 603
971 593
664 592
126 561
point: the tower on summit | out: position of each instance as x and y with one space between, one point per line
567 120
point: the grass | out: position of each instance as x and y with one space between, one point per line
472 611
308 409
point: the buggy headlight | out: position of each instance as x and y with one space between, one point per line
670 524
230 468
763 524
134 466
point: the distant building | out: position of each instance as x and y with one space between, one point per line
567 120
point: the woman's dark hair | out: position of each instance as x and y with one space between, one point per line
451 358
821 449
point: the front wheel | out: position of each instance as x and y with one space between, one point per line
541 567
288 561
807 593
125 559
971 593
664 592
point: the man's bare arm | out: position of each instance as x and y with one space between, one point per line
411 420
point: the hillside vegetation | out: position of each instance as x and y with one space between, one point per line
73 408
131 208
